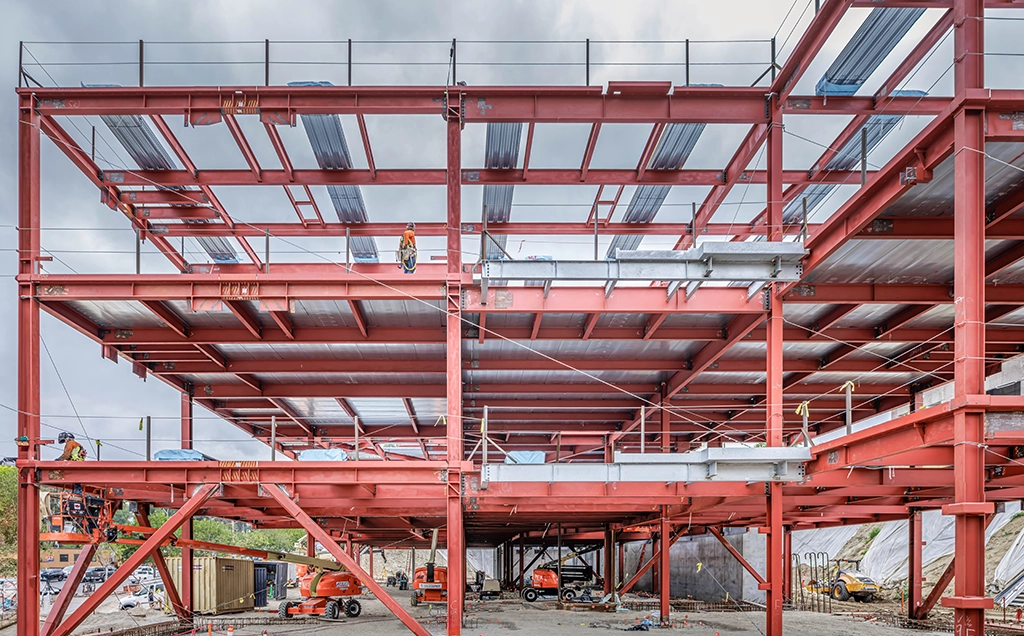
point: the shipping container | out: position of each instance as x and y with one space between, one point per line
219 585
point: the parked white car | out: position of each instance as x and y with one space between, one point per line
149 596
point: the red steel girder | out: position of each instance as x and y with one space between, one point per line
435 176
556 104
898 228
196 363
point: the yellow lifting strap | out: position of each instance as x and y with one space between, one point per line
803 408
850 384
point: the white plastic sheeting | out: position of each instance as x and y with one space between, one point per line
481 560
887 557
827 540
1011 566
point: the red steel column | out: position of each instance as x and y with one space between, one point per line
968 600
28 370
456 543
187 556
666 585
774 528
914 564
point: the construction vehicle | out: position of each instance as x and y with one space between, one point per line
575 581
326 590
430 583
844 584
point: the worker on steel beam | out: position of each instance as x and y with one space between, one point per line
407 249
73 451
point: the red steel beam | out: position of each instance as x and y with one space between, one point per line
455 446
197 363
165 572
189 508
284 322
655 557
69 588
169 318
589 324
359 317
361 120
278 494
244 315
899 228
588 154
279 148
29 230
243 146
529 148
291 414
715 532
436 176
535 329
649 148
555 104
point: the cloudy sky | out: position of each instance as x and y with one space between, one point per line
85 236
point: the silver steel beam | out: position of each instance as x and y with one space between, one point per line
712 464
712 261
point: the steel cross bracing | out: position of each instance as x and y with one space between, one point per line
571 369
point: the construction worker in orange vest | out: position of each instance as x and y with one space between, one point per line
73 451
407 254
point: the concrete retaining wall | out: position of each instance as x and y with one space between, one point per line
719 574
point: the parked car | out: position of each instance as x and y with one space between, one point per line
144 572
149 595
52 574
98 574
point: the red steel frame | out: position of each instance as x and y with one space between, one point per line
384 500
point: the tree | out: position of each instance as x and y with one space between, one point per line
8 520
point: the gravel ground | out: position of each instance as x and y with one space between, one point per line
502 617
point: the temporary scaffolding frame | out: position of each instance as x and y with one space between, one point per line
703 367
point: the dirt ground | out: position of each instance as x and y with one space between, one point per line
501 617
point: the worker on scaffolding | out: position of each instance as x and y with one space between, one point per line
407 249
73 451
